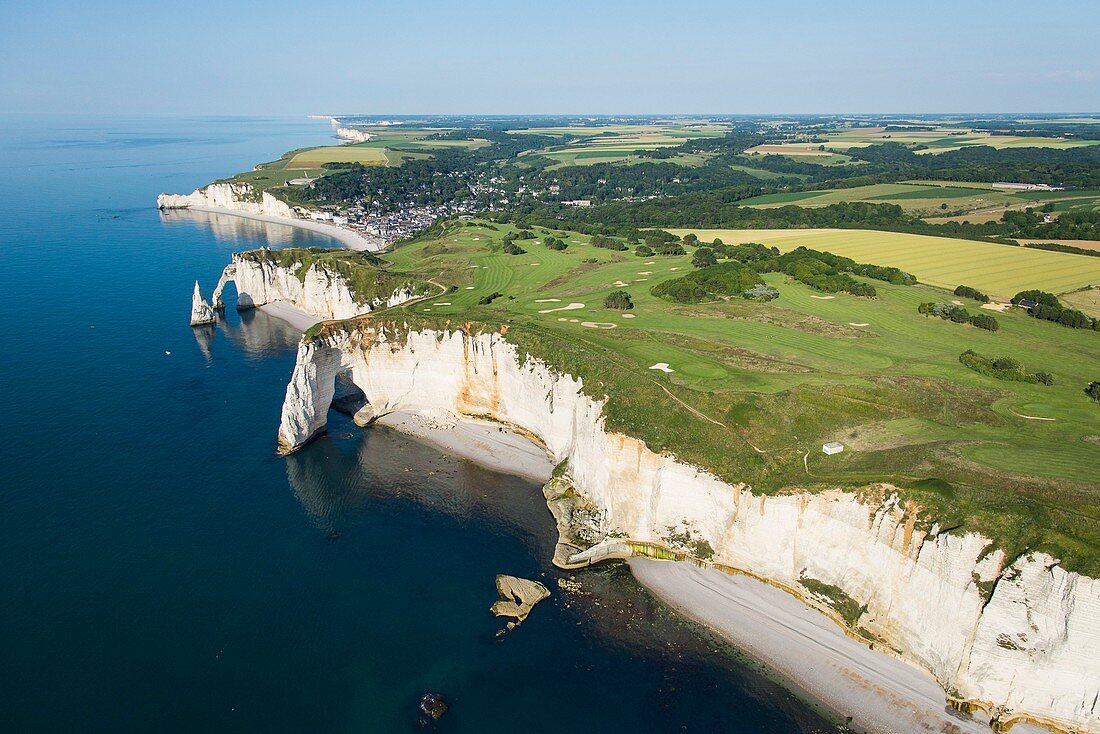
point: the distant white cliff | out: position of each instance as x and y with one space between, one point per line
1016 638
318 290
353 135
240 197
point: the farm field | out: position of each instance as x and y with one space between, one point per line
314 157
1087 301
756 387
999 270
939 140
615 143
928 199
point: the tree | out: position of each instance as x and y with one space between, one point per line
644 251
691 239
984 321
1093 390
619 300
703 257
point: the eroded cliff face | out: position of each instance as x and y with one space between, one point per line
238 197
1019 639
318 291
352 134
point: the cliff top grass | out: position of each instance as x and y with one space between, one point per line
757 388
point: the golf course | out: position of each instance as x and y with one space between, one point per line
751 390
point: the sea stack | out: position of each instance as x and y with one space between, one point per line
201 311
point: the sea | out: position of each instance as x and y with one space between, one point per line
162 569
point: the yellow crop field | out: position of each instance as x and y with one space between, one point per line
999 270
314 157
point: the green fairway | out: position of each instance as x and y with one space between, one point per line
809 367
999 270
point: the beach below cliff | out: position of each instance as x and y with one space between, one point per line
484 443
881 693
348 238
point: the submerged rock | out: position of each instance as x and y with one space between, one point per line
517 598
433 706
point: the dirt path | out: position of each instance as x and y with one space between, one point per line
1030 417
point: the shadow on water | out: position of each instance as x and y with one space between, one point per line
244 233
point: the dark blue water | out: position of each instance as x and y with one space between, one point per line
161 569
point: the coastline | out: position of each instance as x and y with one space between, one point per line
805 648
296 317
881 693
485 443
349 239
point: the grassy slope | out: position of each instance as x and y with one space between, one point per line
999 270
781 378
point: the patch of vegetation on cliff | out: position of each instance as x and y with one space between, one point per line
848 608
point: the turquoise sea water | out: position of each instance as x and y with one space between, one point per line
161 569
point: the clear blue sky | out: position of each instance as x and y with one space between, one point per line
414 57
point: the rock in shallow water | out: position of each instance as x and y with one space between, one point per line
517 597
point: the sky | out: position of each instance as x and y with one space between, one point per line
492 57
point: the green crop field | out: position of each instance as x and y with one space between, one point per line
999 270
757 387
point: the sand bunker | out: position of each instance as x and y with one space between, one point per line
547 300
598 325
574 321
650 262
639 280
852 323
426 310
619 283
562 318
646 272
957 303
823 298
469 287
442 303
570 307
674 268
662 366
473 266
628 315
998 307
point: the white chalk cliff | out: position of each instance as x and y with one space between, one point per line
201 311
1019 639
319 291
353 135
239 197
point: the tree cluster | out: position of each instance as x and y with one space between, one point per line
1048 308
959 315
1003 368
619 300
965 291
725 279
